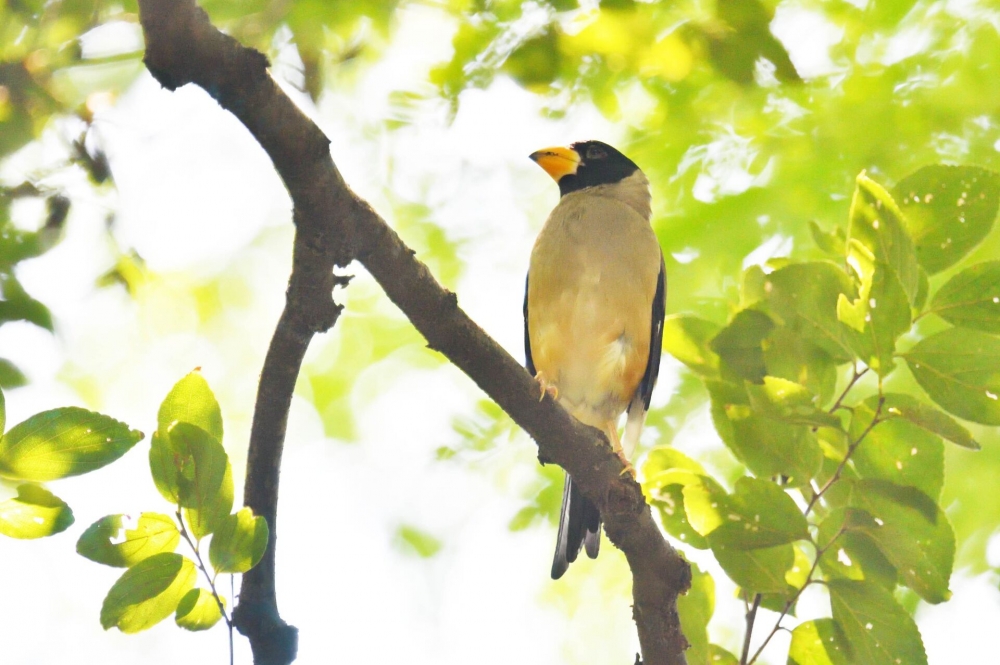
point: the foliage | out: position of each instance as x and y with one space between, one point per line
867 466
191 470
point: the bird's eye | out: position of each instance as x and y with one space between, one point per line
596 152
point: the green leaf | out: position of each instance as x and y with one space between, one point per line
10 377
758 514
191 401
960 370
878 224
719 656
879 315
34 513
790 356
911 531
239 542
198 610
110 541
897 450
695 609
757 571
687 339
739 345
818 642
191 469
853 556
949 210
412 540
803 296
879 631
63 442
907 407
832 243
148 592
3 414
789 402
660 484
767 447
971 299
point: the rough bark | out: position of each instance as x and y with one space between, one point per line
333 227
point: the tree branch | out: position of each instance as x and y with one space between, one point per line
333 227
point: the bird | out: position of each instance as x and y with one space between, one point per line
594 304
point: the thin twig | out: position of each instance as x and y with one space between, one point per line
751 616
820 551
850 451
211 582
857 377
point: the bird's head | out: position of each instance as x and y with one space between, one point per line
584 164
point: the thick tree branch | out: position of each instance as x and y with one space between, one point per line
334 227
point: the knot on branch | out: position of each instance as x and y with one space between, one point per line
271 639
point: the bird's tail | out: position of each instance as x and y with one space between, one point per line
579 527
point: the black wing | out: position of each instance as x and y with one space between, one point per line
528 362
655 337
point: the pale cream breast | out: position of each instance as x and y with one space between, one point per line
591 286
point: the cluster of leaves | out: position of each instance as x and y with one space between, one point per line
846 473
191 470
536 44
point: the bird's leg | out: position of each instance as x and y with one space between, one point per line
611 431
546 387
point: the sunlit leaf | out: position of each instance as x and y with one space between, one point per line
768 447
191 401
687 339
850 554
63 442
34 513
971 298
879 631
198 610
818 642
148 592
960 370
239 542
832 242
110 541
878 224
416 541
949 210
191 469
907 407
792 357
789 402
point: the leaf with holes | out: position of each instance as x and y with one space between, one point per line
949 210
63 442
879 631
960 370
971 299
897 450
789 402
758 514
818 642
907 407
757 571
111 541
911 531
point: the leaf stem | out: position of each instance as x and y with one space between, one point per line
857 377
850 451
209 579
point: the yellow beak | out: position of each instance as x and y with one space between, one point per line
557 162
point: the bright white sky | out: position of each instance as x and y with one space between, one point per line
195 193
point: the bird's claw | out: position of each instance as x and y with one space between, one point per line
546 387
629 469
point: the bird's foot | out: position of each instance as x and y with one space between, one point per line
629 469
546 387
